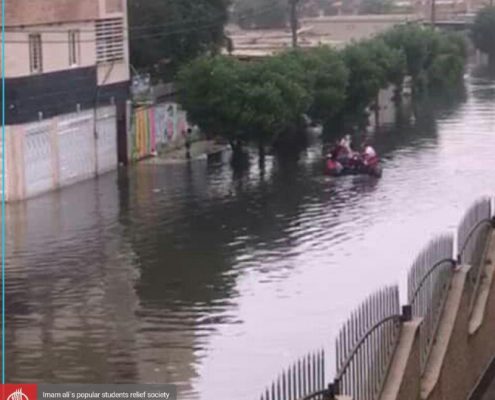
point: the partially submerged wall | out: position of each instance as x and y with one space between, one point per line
155 129
53 153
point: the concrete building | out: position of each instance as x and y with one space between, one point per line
250 44
62 56
67 82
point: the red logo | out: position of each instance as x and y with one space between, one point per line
19 392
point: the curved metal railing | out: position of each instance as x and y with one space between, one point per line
325 394
472 236
305 379
428 285
365 345
470 230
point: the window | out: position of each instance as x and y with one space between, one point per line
35 53
109 40
73 47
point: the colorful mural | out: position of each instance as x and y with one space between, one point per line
154 127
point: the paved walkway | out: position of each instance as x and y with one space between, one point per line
199 151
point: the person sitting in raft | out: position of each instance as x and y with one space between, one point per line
368 152
345 145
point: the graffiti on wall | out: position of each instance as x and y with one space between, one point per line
156 126
143 134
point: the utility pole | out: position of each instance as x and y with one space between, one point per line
433 13
294 20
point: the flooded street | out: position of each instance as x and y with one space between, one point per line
191 275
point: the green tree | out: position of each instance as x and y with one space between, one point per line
446 67
483 32
427 53
391 61
325 77
263 102
274 99
445 71
373 66
412 41
210 89
243 102
166 33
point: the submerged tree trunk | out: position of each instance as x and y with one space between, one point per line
240 159
236 146
376 109
261 154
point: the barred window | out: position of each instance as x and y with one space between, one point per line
35 53
109 40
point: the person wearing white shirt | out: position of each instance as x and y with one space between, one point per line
369 152
345 143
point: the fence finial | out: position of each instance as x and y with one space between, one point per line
334 389
407 313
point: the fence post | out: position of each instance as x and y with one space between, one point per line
406 313
334 389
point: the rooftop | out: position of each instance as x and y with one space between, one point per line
267 42
365 18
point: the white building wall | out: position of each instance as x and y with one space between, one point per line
55 48
54 153
76 146
119 71
38 155
106 140
55 45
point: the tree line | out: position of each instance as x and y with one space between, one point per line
165 34
483 33
264 102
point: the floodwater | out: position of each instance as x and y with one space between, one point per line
216 282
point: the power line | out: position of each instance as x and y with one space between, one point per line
211 18
143 36
124 37
138 27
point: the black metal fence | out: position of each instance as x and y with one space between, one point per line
472 236
428 285
366 344
303 380
364 351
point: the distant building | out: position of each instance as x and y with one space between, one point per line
62 56
447 10
335 31
346 28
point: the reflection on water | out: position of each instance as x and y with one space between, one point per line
188 275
